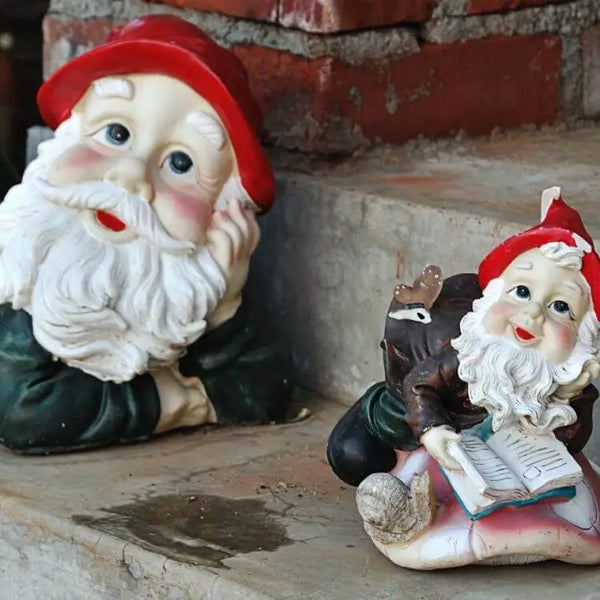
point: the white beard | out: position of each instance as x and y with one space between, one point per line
515 384
113 310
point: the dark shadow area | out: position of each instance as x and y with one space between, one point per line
20 77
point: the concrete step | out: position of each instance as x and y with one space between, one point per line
342 232
219 514
339 235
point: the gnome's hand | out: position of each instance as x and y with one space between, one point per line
436 441
232 238
589 373
183 400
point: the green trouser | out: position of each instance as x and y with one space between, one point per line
385 415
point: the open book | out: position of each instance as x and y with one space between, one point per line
510 468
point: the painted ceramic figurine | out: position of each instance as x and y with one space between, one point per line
124 251
470 450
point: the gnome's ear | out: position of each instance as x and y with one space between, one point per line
549 195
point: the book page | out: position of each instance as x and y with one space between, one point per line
473 501
540 461
487 471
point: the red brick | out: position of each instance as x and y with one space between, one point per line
326 16
327 105
475 86
490 6
264 10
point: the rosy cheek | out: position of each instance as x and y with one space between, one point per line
80 163
191 208
564 338
495 320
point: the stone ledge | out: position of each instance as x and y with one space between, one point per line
336 240
155 521
342 232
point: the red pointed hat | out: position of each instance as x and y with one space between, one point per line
560 223
171 46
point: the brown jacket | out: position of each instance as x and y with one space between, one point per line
421 367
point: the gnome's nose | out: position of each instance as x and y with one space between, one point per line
534 318
130 173
533 310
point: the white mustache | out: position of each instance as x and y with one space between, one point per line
137 214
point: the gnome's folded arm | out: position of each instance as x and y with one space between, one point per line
576 435
47 406
434 395
422 388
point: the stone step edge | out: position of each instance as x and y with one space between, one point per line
140 563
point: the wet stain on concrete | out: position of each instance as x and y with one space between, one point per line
197 529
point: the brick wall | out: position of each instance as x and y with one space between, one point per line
336 75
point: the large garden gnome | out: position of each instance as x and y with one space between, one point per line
465 453
124 251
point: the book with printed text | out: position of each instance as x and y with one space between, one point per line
510 468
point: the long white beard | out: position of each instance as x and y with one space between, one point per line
515 384
113 310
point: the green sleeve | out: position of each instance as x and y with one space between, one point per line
384 414
46 406
246 371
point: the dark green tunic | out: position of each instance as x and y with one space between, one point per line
47 406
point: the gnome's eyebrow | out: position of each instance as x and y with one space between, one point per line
573 285
114 87
525 265
208 126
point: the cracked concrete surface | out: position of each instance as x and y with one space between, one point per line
47 553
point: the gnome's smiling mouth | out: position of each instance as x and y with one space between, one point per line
523 335
109 221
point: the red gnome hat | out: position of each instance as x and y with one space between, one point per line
560 223
167 45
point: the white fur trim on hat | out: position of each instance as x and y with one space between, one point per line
549 195
581 243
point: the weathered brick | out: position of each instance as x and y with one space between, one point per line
327 105
320 16
326 16
475 86
264 10
490 6
590 44
65 39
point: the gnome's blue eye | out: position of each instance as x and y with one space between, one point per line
117 134
180 162
561 308
520 292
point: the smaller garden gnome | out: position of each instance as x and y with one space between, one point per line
124 251
470 451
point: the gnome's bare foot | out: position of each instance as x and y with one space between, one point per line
392 512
